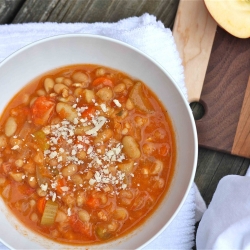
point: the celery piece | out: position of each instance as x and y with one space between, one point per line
49 214
41 139
102 232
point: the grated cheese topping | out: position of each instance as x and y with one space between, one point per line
66 146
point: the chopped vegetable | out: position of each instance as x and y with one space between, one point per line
49 213
60 183
122 99
139 99
41 139
88 113
41 204
120 113
21 112
25 189
103 233
41 175
102 81
42 110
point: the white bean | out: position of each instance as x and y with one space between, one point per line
69 99
100 72
59 79
120 213
129 104
69 170
25 99
104 136
32 101
10 126
32 203
83 215
130 147
59 88
105 94
128 83
81 155
67 111
126 167
34 217
80 77
48 84
40 192
119 87
88 95
61 216
77 179
19 163
32 181
41 92
67 82
81 199
6 192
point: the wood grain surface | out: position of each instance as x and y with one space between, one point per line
94 10
242 136
194 32
216 73
223 93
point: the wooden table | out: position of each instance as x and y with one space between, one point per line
212 166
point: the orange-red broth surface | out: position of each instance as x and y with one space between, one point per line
86 154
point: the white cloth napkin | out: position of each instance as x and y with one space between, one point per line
226 223
151 37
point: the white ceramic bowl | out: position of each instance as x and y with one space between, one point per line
35 59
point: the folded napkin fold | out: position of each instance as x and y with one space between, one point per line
151 37
225 224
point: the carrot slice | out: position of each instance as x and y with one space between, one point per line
42 109
102 80
21 112
88 113
26 189
60 183
41 204
122 99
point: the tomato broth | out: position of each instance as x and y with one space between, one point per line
87 153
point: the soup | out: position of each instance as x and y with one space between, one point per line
86 154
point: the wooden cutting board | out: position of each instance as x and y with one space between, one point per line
217 70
